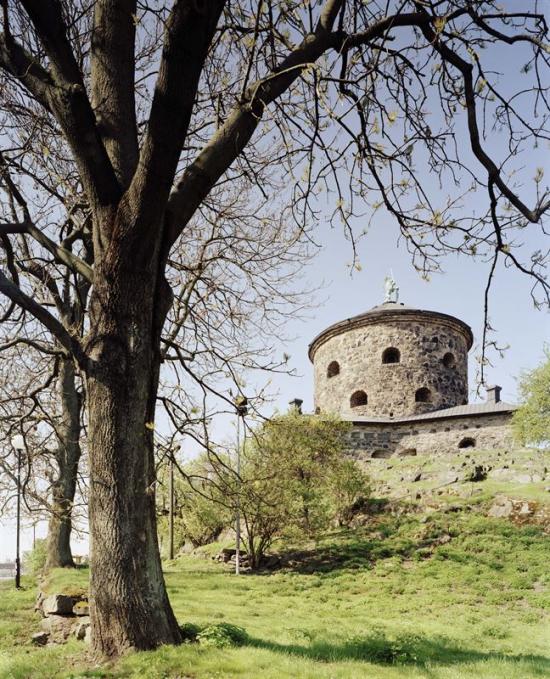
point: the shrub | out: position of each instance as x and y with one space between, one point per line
378 648
190 632
222 635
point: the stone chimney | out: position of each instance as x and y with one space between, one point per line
296 404
493 394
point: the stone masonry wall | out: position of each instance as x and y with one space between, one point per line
440 436
390 387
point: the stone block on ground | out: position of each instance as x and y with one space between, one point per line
39 601
447 478
226 554
40 638
58 627
58 604
81 608
82 626
501 508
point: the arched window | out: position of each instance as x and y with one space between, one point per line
423 395
358 398
391 355
467 442
333 369
449 360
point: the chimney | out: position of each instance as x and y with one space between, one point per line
296 404
493 394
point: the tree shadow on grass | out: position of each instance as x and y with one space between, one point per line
350 550
407 649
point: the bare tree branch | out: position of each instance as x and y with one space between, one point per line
66 340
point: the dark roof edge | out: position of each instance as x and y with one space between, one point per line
423 418
373 316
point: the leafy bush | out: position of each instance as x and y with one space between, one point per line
348 486
222 635
378 648
190 632
294 479
35 560
531 422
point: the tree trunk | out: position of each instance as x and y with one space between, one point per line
68 455
129 605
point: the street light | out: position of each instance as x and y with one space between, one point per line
173 450
241 407
18 443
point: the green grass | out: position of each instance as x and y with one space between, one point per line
394 599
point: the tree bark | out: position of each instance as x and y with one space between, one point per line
129 605
68 455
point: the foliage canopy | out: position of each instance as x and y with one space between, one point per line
532 420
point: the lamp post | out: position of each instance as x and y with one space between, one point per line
173 450
241 403
18 444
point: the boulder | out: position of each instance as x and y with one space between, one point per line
40 638
39 601
526 509
82 626
81 608
226 555
502 508
58 604
447 478
58 627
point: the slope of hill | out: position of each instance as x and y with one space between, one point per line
433 582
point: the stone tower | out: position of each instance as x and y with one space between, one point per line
392 361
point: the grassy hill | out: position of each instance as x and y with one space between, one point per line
427 585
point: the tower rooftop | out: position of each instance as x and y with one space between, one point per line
389 311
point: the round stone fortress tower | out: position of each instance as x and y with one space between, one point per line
392 361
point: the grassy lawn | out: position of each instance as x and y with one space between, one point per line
395 599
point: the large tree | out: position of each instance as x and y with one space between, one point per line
337 93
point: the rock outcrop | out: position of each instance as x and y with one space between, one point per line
63 616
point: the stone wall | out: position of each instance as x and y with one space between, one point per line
441 436
423 343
